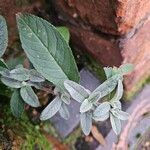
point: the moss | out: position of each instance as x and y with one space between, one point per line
22 131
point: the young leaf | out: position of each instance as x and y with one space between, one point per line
126 69
36 76
47 49
3 36
16 104
101 117
106 87
115 123
86 122
65 97
120 114
102 109
108 72
51 109
63 111
64 32
85 106
29 96
77 92
11 82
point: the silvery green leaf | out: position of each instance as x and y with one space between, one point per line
51 109
119 93
3 65
47 50
65 97
64 32
36 76
20 74
116 104
16 104
85 106
115 123
19 66
101 117
29 96
108 72
106 87
102 109
120 114
11 82
63 111
126 69
77 92
3 36
86 122
37 85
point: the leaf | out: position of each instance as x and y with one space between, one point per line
126 69
101 117
20 74
77 92
51 109
115 104
106 87
47 50
63 111
108 72
120 114
102 109
11 82
115 123
64 32
65 97
85 106
3 36
29 96
36 76
3 65
16 104
86 122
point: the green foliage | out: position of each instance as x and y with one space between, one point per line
47 50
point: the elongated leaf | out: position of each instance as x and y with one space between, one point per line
126 69
102 109
65 97
47 50
16 104
106 87
86 122
63 111
29 96
120 114
101 117
36 76
51 109
108 72
85 106
64 32
3 36
115 123
77 92
11 82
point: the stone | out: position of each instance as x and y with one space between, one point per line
115 17
65 127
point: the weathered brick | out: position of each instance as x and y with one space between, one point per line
116 16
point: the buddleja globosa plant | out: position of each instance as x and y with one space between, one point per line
53 63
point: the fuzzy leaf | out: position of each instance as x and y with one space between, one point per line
65 97
85 106
11 82
102 109
116 104
86 122
77 92
47 50
108 72
29 96
16 104
51 109
120 114
64 32
3 36
101 117
115 123
63 111
36 76
126 69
